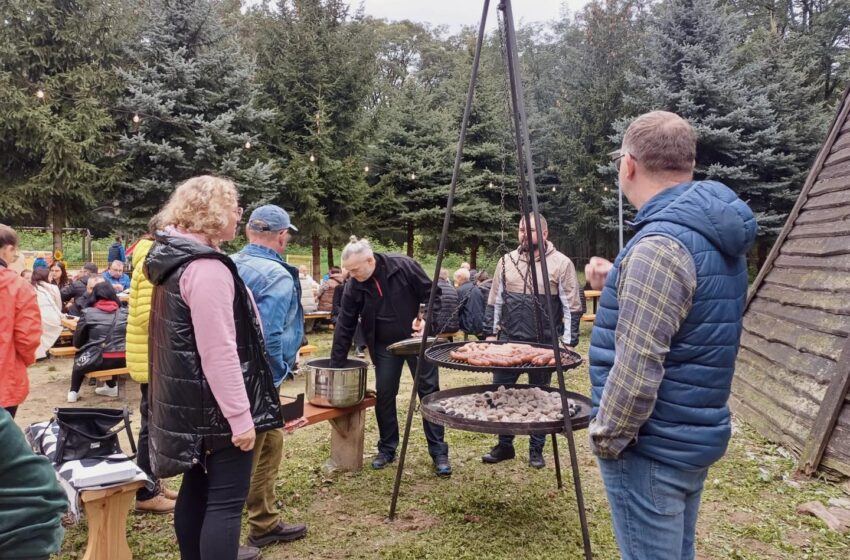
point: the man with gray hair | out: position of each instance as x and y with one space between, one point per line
385 292
115 276
663 348
274 285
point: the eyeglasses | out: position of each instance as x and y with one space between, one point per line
616 157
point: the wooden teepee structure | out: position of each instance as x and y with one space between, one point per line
793 370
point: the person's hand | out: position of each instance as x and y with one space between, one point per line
245 441
418 326
596 271
118 288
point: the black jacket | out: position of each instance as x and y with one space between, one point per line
446 309
472 304
76 290
185 419
102 329
406 286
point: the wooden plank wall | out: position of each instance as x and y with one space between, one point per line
798 319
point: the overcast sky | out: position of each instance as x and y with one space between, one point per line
456 13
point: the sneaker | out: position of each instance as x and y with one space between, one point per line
107 391
73 396
535 459
380 461
442 466
282 533
157 504
248 553
498 454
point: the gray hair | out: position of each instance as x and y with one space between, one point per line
462 275
356 247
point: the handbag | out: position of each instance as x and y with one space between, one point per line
90 433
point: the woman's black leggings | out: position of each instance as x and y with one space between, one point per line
79 373
208 514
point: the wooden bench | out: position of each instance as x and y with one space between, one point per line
306 350
593 296
348 429
106 516
62 352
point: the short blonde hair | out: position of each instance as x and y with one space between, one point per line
461 275
201 205
662 141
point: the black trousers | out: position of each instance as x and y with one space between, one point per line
143 459
208 514
501 376
388 368
11 410
79 373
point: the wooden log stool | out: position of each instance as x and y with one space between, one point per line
106 515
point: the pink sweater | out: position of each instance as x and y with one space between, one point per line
208 289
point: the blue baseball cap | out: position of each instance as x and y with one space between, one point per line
270 218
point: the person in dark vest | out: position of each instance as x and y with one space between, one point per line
385 292
211 385
663 348
446 306
116 251
470 304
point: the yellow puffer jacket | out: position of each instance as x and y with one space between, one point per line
141 292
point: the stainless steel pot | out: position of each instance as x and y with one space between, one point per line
336 387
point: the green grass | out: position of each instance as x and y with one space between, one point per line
509 510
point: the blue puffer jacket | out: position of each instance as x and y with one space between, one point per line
690 426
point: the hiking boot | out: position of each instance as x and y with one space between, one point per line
442 466
380 461
248 553
535 459
498 454
282 533
157 504
107 391
167 492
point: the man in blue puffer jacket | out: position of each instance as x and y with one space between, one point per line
663 347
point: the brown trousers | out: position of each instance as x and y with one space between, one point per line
263 515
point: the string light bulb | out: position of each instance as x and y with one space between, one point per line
490 185
248 145
312 158
606 189
580 189
553 189
137 119
40 94
366 169
413 176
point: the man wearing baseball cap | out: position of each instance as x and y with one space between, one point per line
276 291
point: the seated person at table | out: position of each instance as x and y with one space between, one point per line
115 276
309 290
100 338
50 305
74 294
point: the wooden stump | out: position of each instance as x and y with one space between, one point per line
106 515
347 437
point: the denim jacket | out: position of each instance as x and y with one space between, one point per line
270 281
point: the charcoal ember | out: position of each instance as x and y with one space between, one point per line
507 405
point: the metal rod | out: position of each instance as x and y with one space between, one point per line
620 212
557 461
473 77
525 155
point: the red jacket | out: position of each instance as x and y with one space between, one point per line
20 335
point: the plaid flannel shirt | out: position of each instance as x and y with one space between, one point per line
655 291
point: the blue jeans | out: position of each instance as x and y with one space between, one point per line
654 506
504 377
387 377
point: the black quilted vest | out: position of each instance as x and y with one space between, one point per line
185 419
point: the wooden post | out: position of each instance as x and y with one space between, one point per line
317 257
830 409
106 515
330 253
347 440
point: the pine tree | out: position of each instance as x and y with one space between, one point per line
57 86
190 108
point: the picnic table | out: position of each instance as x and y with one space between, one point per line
310 319
593 296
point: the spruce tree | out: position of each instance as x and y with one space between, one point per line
190 108
689 68
57 86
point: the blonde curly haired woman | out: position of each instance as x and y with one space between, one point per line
211 387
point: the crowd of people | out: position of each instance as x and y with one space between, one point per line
662 350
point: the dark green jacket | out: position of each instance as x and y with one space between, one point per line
31 500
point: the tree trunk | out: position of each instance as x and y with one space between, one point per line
410 239
330 254
58 217
473 254
317 256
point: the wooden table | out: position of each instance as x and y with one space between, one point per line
593 296
348 429
106 515
310 319
70 324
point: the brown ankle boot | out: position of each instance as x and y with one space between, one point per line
157 504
